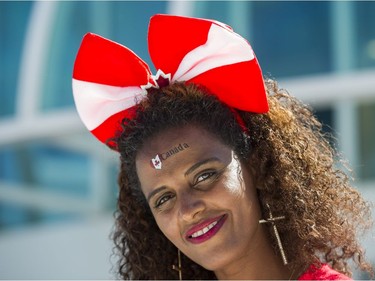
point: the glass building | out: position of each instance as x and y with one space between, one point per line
58 184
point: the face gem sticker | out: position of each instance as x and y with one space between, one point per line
156 162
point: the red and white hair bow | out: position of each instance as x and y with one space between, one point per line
109 79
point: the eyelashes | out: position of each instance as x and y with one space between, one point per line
204 176
203 181
163 199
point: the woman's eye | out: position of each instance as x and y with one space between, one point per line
204 177
163 199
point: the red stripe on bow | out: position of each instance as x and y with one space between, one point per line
238 85
170 38
103 61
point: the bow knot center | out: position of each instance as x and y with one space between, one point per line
161 79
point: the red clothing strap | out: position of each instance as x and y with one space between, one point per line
322 273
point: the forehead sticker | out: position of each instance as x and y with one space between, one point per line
156 162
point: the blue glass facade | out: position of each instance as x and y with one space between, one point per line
366 113
14 18
365 34
292 38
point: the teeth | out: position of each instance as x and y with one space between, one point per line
204 230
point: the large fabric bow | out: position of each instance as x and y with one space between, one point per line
109 79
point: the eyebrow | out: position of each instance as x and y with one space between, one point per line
201 163
189 171
155 191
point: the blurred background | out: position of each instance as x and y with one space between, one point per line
58 184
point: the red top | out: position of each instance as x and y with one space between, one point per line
322 273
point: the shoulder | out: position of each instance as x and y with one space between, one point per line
324 272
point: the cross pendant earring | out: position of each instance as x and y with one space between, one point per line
272 221
178 268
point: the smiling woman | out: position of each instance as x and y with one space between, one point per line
223 175
205 198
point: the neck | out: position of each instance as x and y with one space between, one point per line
260 262
257 271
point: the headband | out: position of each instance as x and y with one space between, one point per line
110 79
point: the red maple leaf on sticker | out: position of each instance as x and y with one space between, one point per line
162 81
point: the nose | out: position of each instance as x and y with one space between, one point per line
190 205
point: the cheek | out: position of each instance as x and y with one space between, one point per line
242 196
233 182
169 226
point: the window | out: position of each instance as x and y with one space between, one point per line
325 116
367 140
291 38
365 22
13 24
44 171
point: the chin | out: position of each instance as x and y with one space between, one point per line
212 265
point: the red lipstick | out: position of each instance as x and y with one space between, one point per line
205 230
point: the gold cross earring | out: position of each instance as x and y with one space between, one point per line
178 268
272 221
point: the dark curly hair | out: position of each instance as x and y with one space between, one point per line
296 173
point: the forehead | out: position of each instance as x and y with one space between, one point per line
186 137
177 147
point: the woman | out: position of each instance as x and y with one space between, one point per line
223 175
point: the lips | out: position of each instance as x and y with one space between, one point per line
205 230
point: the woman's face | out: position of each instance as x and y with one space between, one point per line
201 196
